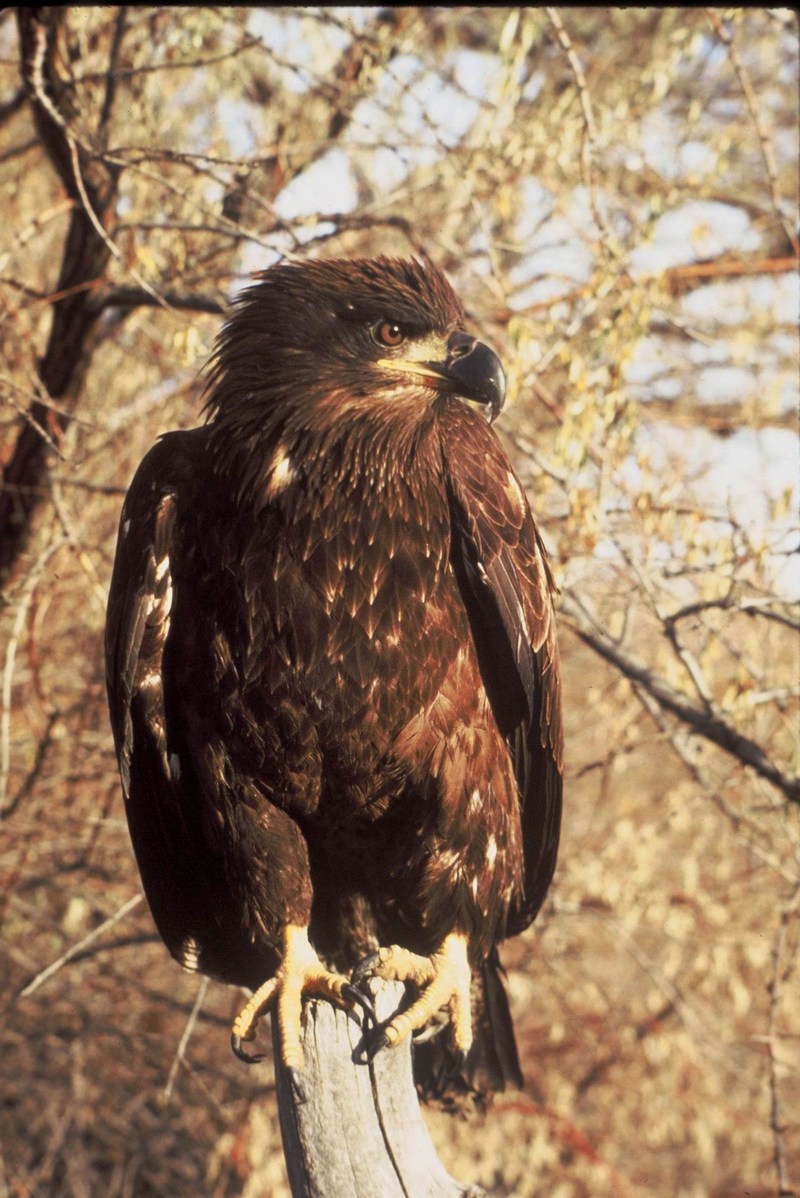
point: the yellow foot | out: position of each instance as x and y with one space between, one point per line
444 979
299 973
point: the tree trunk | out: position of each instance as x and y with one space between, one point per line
360 1132
89 182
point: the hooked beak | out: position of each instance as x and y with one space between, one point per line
471 370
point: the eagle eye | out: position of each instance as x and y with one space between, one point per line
389 333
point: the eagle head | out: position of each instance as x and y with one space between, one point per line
310 341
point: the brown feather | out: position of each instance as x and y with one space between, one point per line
332 666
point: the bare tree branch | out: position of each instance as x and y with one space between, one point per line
138 297
765 145
45 974
708 723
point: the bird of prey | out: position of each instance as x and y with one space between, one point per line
332 665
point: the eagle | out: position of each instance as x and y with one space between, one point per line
333 671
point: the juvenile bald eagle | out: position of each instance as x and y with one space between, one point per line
332 663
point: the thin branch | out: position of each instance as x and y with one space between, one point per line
35 227
111 75
66 957
683 654
748 607
32 776
185 1038
764 142
112 248
83 484
72 535
589 142
25 599
707 723
28 416
38 84
137 297
743 825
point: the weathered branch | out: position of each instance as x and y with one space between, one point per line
703 720
137 297
359 1133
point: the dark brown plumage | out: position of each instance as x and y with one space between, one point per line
332 661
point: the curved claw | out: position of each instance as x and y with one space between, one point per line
362 1000
297 1085
365 968
249 1058
369 1048
378 1043
460 1062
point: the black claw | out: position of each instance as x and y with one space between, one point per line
460 1062
365 967
249 1058
297 1085
369 1047
362 1000
372 1049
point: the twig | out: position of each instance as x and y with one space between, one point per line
136 297
707 723
96 588
26 596
684 655
112 75
184 1040
744 827
66 957
764 143
32 776
36 225
589 141
40 91
748 607
703 1034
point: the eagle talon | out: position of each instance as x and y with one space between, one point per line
376 1045
249 1058
365 968
460 1062
362 1000
296 1079
443 980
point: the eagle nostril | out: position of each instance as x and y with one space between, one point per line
459 345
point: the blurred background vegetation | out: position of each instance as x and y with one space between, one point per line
613 193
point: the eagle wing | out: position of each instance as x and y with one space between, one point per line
506 585
137 627
161 793
137 623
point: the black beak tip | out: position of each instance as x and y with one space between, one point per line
477 373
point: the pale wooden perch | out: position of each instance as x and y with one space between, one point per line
360 1132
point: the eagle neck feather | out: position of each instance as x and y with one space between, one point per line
372 450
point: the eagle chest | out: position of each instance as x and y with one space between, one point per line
348 601
334 624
